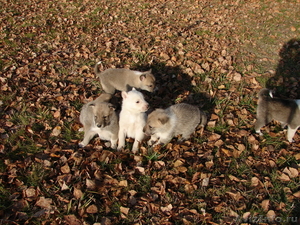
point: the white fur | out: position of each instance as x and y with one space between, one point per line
132 118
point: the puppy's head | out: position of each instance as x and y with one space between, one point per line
103 113
147 81
134 101
155 121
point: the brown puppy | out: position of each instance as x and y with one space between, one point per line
125 79
286 111
99 117
164 124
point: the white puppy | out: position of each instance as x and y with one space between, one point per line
125 80
286 111
132 118
99 117
164 124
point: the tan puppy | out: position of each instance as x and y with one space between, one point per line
286 111
164 124
125 80
132 118
99 117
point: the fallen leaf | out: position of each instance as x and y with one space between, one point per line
44 203
92 209
265 205
56 131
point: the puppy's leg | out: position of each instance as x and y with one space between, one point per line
258 125
186 135
122 136
114 143
138 139
163 140
88 135
108 88
290 133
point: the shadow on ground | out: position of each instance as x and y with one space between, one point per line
286 81
175 86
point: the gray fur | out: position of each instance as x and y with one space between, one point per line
125 79
99 117
286 111
164 124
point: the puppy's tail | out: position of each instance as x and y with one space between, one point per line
265 93
104 97
96 69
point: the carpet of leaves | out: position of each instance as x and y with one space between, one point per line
200 54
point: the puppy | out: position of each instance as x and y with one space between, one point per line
125 80
286 111
164 124
99 117
132 118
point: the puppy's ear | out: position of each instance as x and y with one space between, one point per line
163 119
142 77
124 94
92 105
111 107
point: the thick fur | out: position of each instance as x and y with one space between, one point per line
286 111
125 79
132 118
164 124
99 117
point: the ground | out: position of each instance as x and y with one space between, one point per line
214 54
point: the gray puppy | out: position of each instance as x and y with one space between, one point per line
286 111
164 124
125 79
99 117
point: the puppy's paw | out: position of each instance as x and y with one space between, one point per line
134 150
81 145
120 148
80 129
259 132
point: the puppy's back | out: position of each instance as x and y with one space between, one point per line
187 116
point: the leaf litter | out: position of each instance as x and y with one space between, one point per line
201 53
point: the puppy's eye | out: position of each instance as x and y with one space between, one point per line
150 127
105 117
150 85
137 102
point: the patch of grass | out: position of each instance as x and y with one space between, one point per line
35 174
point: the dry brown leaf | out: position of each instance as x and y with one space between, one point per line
297 194
56 131
265 205
140 169
214 137
255 182
90 184
92 209
44 203
283 177
123 183
166 209
178 163
65 169
72 220
77 193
